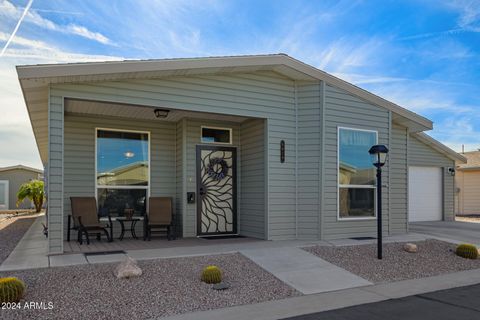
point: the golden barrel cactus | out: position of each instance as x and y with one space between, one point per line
11 289
212 274
468 251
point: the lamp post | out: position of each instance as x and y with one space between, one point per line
379 157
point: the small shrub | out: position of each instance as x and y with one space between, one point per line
212 274
468 251
11 289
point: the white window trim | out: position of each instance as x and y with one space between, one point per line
374 187
230 130
147 187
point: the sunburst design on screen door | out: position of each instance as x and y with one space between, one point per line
217 190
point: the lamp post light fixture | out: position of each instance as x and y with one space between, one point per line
379 157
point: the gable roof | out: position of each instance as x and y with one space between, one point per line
473 161
440 147
36 79
20 167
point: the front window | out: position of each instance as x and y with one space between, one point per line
122 172
356 175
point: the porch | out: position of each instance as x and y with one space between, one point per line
211 165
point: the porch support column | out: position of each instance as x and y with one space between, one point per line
55 174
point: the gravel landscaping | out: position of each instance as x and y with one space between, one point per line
167 287
433 258
12 230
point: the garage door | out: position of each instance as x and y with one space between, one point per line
424 194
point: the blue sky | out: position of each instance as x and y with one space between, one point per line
423 55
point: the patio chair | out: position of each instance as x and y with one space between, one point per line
85 220
159 217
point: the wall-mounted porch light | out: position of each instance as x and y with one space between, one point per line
161 113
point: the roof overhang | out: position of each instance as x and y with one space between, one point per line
36 79
21 167
440 147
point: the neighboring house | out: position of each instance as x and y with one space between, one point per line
467 181
248 145
11 178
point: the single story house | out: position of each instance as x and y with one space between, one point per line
467 181
263 146
11 178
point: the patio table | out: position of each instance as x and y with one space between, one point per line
133 222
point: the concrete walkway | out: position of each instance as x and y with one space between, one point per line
31 251
303 271
452 231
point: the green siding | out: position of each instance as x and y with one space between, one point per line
309 164
252 181
180 168
398 180
55 174
344 110
420 154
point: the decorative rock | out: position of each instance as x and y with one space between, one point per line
127 269
221 286
410 247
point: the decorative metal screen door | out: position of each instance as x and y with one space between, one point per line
217 190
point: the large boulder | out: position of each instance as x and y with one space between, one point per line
410 247
127 269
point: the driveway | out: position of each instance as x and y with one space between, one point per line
454 230
460 304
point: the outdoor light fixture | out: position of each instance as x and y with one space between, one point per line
161 113
379 157
129 154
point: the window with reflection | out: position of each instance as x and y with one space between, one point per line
356 174
122 172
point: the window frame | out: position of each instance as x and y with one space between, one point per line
147 187
230 130
374 186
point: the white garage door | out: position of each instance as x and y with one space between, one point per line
424 194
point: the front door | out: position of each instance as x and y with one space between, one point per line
217 190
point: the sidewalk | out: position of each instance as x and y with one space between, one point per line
31 250
313 303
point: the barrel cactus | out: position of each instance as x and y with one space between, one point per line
468 251
11 289
212 274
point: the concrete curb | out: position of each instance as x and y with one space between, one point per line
279 309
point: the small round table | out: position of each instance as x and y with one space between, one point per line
133 222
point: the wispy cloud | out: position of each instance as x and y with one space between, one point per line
468 20
10 11
39 50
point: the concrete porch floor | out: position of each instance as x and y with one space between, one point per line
128 244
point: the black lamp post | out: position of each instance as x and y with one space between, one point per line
379 157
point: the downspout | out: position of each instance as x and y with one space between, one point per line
296 159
